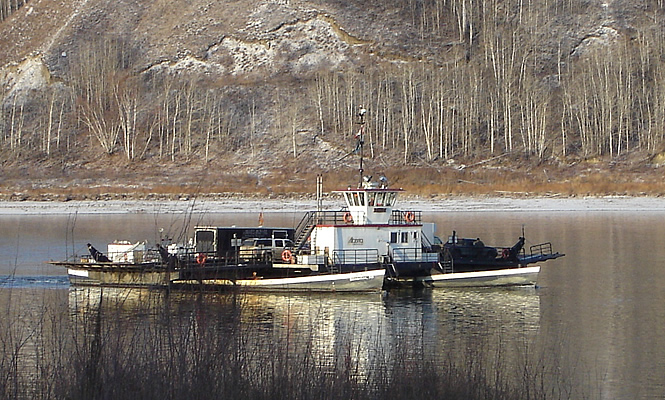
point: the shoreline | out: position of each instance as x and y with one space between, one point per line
253 205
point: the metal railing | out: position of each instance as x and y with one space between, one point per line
541 249
401 217
409 254
342 217
229 258
358 256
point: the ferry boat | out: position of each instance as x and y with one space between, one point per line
364 246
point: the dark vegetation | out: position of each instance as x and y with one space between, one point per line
466 97
222 346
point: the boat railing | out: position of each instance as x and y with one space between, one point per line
401 217
356 256
541 249
343 217
407 254
229 258
339 217
313 218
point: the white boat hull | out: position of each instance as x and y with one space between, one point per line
365 281
501 277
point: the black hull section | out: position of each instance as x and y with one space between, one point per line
410 269
464 265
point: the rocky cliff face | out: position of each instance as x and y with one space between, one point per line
270 38
259 39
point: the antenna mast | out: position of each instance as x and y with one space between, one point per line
360 136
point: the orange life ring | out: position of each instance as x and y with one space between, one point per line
505 253
348 218
287 256
201 258
409 217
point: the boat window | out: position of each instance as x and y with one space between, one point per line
279 243
405 237
379 199
393 237
362 198
371 198
390 199
348 199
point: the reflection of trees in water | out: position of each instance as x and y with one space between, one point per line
118 343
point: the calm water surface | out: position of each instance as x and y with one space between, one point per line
592 326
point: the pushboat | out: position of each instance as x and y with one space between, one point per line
367 245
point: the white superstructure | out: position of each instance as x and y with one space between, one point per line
371 230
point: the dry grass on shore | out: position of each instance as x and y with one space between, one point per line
495 185
138 181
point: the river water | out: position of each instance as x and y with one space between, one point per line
590 329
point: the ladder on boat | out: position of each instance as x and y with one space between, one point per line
446 262
389 265
334 268
391 270
304 230
446 266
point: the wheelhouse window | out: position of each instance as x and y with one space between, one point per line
405 237
380 199
390 199
355 198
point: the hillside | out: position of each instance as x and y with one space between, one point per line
104 99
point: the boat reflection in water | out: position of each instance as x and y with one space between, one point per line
455 324
364 335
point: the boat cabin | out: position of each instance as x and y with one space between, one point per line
372 230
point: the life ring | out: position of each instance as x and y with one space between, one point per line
409 217
287 256
348 218
201 258
505 253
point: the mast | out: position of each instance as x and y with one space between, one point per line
360 136
360 142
